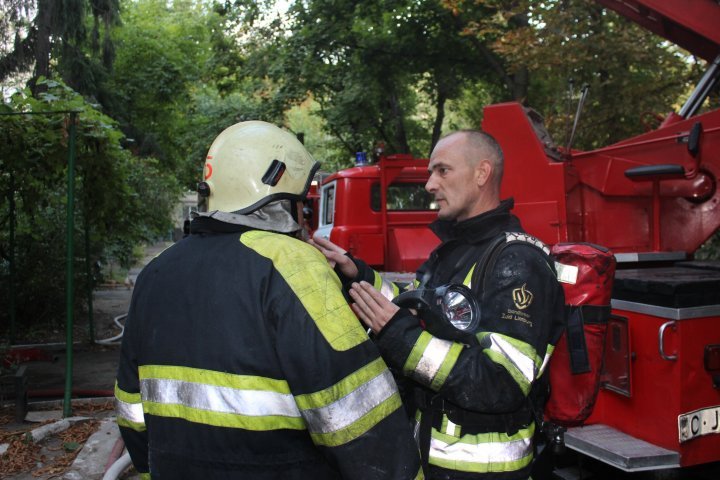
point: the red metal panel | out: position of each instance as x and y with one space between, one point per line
597 202
409 248
662 389
692 24
536 182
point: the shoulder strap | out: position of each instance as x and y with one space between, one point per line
505 239
479 273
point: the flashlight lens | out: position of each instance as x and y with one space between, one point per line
457 309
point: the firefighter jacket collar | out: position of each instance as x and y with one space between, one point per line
479 228
273 217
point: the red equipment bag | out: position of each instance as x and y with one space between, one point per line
586 272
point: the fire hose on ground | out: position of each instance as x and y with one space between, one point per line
116 339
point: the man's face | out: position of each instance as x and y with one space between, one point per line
453 180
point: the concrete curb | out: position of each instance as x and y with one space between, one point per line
92 459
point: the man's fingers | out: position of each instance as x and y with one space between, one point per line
364 292
328 245
360 313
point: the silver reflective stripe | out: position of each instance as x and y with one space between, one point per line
432 359
520 360
490 452
546 360
386 289
352 407
130 411
253 403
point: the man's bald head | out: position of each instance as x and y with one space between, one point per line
478 145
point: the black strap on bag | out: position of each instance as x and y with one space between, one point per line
577 318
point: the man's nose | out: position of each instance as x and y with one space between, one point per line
431 185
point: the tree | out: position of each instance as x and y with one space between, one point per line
584 43
122 200
368 65
57 31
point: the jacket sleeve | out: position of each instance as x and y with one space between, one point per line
342 388
365 273
128 406
521 308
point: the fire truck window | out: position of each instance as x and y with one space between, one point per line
403 196
329 203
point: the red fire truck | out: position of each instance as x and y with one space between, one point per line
652 199
380 212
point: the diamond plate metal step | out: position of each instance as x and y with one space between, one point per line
619 449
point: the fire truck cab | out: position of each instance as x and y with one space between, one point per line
652 199
380 212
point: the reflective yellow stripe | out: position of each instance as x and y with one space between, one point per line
145 476
213 377
314 283
482 453
129 410
518 358
218 398
349 408
388 289
546 360
468 278
361 426
431 360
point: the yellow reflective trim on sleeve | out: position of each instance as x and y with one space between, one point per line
389 289
360 427
314 283
145 476
124 422
517 357
343 388
431 360
128 410
420 475
126 397
416 353
349 408
447 365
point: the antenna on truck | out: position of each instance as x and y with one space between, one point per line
581 103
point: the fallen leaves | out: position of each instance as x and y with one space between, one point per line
25 456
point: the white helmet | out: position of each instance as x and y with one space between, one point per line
251 164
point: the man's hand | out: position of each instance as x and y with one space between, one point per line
335 256
371 306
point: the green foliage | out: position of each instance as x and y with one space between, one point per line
160 60
584 43
122 199
710 250
371 67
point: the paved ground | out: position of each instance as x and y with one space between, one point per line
93 432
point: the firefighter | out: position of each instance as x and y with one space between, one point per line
475 396
240 356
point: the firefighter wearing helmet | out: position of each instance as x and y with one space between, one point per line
240 357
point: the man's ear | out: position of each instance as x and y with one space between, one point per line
483 172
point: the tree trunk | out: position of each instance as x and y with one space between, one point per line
42 44
397 113
439 118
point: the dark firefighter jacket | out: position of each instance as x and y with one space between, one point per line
241 359
474 399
